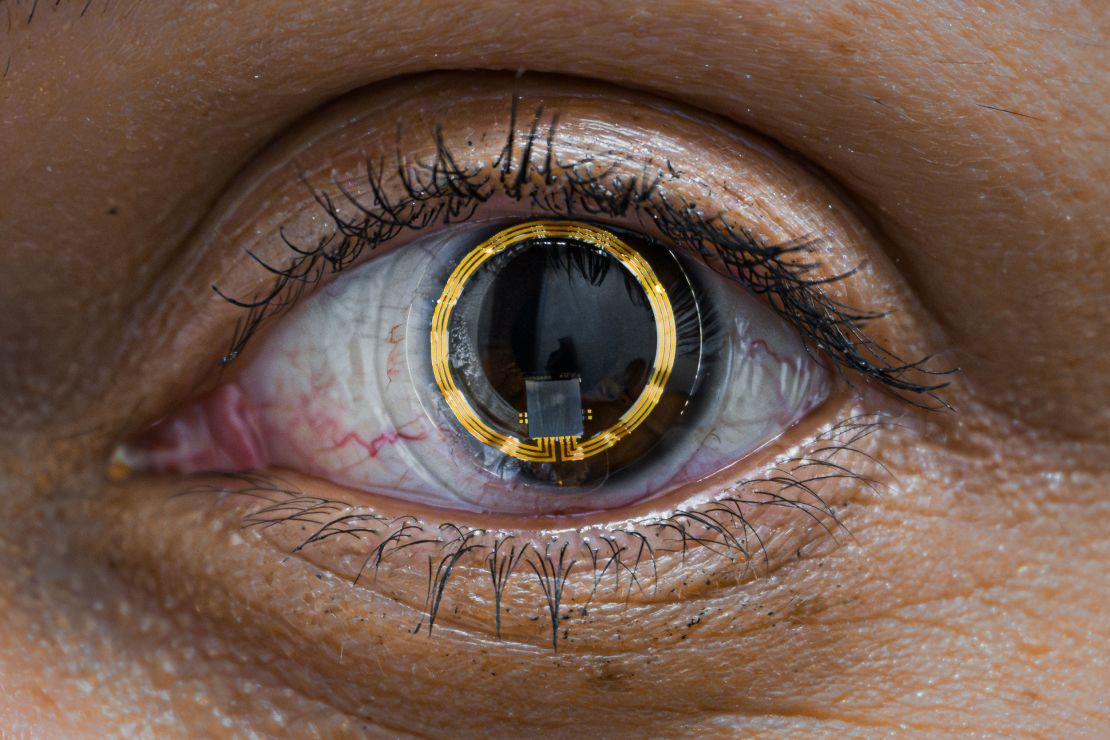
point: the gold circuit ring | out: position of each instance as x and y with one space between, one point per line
553 449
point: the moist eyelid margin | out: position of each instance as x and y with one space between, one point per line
528 170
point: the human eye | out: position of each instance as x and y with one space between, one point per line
490 342
533 368
879 191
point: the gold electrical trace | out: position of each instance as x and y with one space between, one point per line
554 449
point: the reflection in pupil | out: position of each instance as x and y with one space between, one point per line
559 318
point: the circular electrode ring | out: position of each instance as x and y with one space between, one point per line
553 449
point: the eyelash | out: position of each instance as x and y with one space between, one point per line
440 192
721 528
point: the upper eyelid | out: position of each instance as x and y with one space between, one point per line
439 191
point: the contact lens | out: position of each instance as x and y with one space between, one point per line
528 368
567 347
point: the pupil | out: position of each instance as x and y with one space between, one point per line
563 333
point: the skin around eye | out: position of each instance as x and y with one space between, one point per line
386 186
970 596
394 187
292 263
344 389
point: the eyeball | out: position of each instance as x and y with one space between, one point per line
538 367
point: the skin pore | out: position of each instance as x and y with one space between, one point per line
969 148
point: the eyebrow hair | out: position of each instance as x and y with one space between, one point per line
22 13
32 9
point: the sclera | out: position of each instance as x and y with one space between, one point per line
344 389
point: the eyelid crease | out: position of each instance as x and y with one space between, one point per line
528 170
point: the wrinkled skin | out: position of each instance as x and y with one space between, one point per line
970 598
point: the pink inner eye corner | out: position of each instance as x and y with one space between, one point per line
216 433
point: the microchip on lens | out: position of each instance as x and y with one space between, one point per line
554 406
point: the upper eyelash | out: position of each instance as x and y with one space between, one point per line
440 191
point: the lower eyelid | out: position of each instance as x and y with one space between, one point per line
433 562
292 618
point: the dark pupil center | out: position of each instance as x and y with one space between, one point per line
563 332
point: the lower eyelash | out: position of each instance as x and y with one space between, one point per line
441 192
626 556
